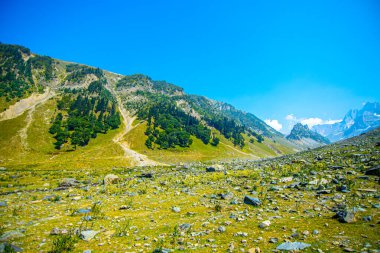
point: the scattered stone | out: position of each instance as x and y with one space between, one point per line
110 179
176 209
292 246
375 171
185 226
146 175
254 250
10 235
55 231
345 216
252 201
7 247
273 240
68 182
3 204
210 169
221 229
227 196
264 224
367 218
88 234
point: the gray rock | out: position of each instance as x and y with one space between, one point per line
221 229
185 226
345 216
87 251
55 231
10 235
176 209
88 234
3 204
227 196
110 179
273 240
68 182
210 169
252 201
264 224
375 171
7 247
292 246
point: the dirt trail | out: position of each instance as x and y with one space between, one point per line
139 159
239 151
24 131
25 104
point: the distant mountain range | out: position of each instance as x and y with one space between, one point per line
303 136
354 123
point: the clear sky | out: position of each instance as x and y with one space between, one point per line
277 59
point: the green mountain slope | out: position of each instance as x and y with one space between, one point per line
59 112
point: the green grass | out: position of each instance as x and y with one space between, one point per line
198 151
101 151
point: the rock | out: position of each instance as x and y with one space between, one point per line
88 234
315 232
3 204
348 249
342 188
221 229
176 209
83 210
264 224
146 175
185 226
345 216
10 235
227 196
87 251
292 246
68 182
375 171
210 169
273 240
286 179
254 250
7 247
110 179
55 231
367 218
252 201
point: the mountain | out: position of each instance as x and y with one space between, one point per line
54 111
354 123
302 135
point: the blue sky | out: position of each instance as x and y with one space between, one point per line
308 59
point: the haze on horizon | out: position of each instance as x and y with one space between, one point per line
286 62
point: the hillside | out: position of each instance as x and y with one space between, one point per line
354 123
141 121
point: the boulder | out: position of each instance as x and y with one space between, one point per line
252 201
110 179
375 171
68 182
290 246
88 234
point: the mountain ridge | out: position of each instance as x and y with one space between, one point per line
80 92
355 122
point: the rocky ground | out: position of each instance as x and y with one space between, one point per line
323 200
